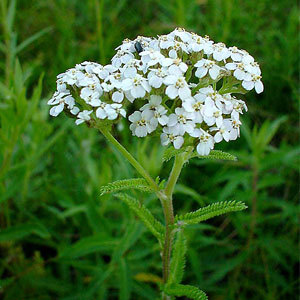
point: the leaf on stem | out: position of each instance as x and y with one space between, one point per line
215 154
178 259
210 211
171 152
126 184
185 290
156 228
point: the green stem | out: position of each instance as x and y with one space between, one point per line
167 203
130 158
165 196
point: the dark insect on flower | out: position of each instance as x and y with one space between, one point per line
138 47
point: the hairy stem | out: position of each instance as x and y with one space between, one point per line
167 203
165 196
130 158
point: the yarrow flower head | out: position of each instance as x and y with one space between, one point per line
179 85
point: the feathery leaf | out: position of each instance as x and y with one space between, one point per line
125 184
171 152
156 228
178 259
210 211
215 154
185 290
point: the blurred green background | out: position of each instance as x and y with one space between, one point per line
60 240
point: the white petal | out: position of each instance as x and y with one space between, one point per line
218 137
171 91
214 72
201 72
248 85
141 131
155 81
138 92
184 93
117 97
101 113
259 87
178 142
172 120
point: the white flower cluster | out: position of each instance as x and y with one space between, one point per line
182 84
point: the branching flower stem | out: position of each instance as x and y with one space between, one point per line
165 196
130 158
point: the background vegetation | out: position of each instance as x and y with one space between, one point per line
60 240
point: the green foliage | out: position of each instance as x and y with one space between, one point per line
185 290
155 227
178 259
210 211
215 154
55 230
171 152
125 184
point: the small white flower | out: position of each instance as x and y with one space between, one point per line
71 77
205 66
171 135
236 54
121 58
222 133
254 82
233 126
182 120
237 108
206 141
141 125
166 41
83 116
59 100
93 99
159 111
138 86
151 57
114 110
195 105
101 112
175 66
220 52
93 90
156 77
118 96
212 113
184 35
177 86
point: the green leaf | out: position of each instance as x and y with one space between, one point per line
88 245
125 280
171 152
21 231
125 184
215 154
185 290
210 211
178 259
32 38
156 228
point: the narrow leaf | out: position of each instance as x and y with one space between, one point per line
125 184
215 154
210 211
171 152
32 38
178 259
185 290
156 228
